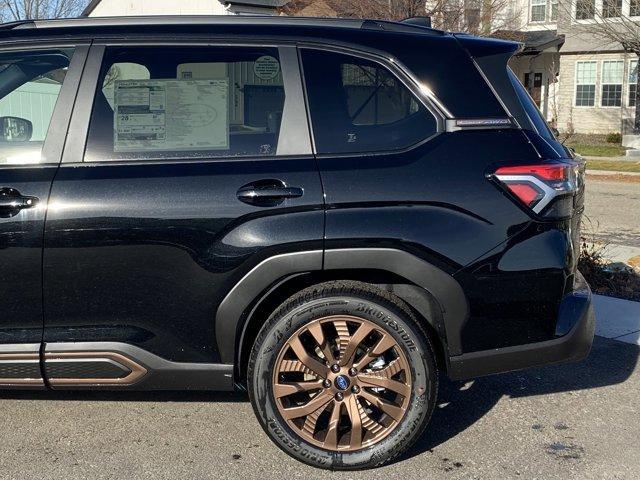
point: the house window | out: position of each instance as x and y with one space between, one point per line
538 10
634 8
554 10
585 9
612 73
633 82
585 84
611 8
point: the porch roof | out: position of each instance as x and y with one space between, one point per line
533 41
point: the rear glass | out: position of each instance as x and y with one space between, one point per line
530 108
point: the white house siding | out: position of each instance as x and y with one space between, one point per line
596 119
115 8
519 12
111 8
35 102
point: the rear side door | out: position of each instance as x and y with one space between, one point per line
37 89
188 164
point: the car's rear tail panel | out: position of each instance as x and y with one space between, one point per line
516 290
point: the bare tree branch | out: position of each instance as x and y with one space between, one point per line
39 9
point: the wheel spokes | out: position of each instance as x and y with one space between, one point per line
315 329
382 345
383 378
354 342
296 366
342 383
319 401
387 383
285 389
355 440
343 336
311 363
331 439
390 409
311 420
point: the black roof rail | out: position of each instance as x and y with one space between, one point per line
201 20
18 24
420 21
409 25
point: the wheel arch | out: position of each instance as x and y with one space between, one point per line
433 295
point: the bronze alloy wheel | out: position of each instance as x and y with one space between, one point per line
342 383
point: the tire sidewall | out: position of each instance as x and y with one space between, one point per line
410 338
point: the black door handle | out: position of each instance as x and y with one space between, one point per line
11 199
267 193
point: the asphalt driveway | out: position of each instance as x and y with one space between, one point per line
572 421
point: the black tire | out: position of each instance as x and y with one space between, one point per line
355 299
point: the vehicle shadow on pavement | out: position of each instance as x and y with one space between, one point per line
461 404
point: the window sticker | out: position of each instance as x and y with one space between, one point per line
181 115
266 67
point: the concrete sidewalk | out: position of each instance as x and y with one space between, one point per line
617 319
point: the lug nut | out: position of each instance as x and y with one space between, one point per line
326 383
353 372
355 389
335 368
339 396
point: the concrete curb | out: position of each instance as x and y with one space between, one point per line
617 319
612 159
612 173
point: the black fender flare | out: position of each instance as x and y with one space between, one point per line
229 321
231 310
442 286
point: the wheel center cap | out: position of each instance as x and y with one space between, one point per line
342 382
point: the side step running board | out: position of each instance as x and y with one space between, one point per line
105 365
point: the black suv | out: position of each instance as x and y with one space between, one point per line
323 212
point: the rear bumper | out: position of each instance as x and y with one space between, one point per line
575 329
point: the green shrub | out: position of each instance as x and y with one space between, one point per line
614 138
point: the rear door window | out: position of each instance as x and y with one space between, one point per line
357 105
187 102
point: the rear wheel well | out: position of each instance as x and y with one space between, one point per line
422 303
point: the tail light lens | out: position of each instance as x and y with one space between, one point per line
537 186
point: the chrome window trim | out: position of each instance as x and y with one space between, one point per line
76 153
426 97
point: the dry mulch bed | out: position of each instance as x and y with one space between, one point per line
614 280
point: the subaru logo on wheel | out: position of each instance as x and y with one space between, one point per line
342 382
